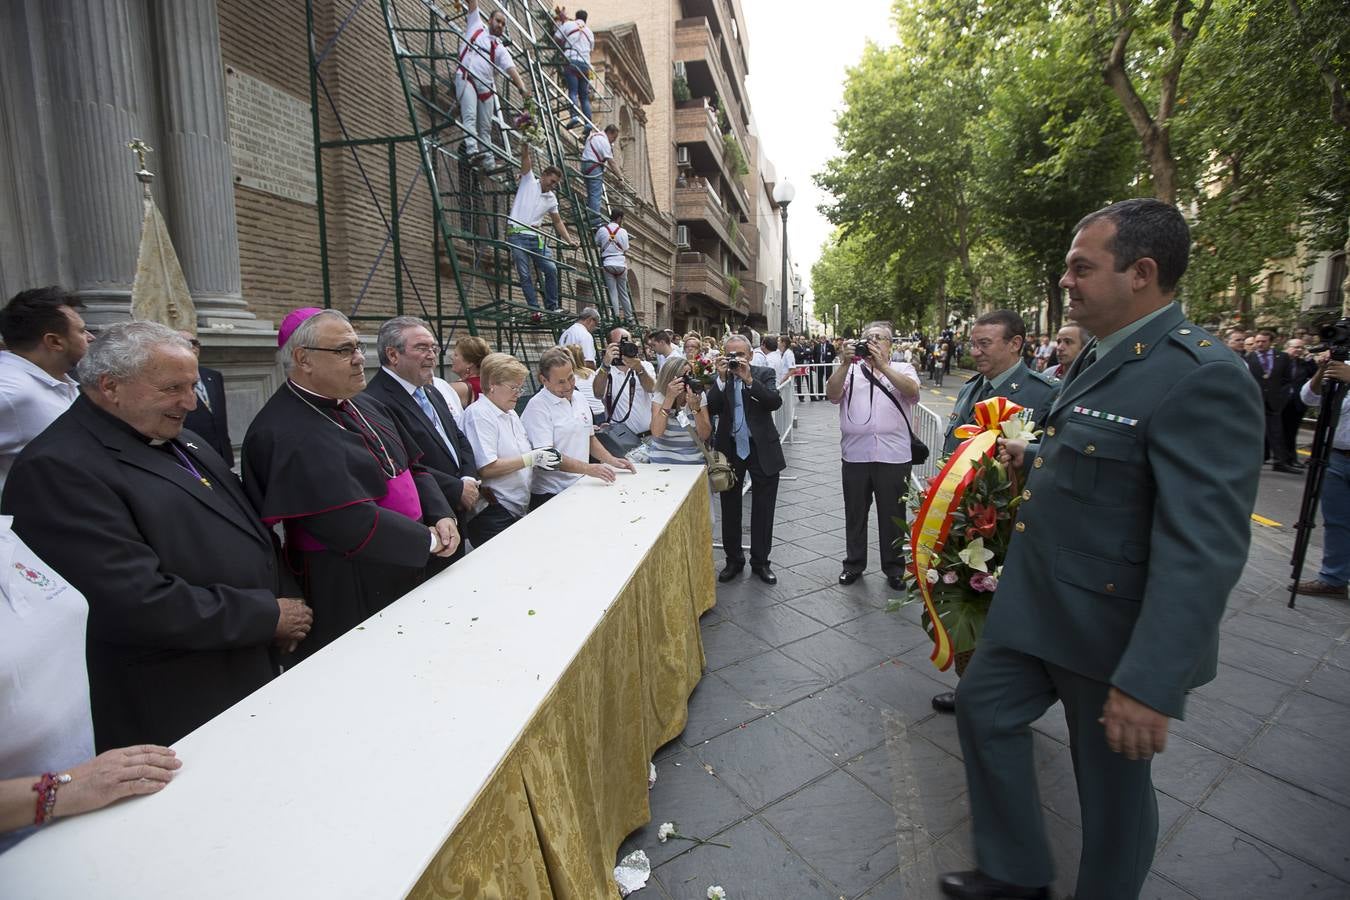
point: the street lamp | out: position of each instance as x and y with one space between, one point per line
783 192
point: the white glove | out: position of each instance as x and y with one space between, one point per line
546 458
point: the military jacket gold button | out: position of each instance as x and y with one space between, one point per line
1110 588
1021 526
1050 431
1038 463
1026 495
1090 448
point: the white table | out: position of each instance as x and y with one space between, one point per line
346 776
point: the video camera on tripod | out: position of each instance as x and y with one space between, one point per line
1335 340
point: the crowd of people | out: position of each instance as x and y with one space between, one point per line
152 587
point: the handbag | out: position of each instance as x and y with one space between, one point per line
918 450
721 476
619 439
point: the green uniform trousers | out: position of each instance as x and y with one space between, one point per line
1000 695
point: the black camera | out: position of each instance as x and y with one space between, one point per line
628 350
862 350
692 383
1336 338
733 360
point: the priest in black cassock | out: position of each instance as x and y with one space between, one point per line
362 517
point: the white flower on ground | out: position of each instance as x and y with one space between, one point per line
665 831
716 893
932 576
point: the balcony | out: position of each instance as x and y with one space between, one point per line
720 16
700 50
699 207
696 128
698 273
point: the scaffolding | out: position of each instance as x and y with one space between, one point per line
445 256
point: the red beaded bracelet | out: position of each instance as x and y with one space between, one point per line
46 788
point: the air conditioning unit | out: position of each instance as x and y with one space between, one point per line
681 156
680 71
681 235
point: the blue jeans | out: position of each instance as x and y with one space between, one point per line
524 249
1336 518
595 189
578 88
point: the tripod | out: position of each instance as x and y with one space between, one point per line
1333 393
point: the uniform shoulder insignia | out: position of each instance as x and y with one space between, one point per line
1200 344
1044 378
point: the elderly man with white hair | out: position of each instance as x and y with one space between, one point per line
362 515
745 398
186 601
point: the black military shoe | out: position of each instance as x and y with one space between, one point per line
945 703
846 577
975 885
765 574
730 572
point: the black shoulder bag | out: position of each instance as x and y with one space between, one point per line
918 450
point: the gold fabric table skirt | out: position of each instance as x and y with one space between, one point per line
549 820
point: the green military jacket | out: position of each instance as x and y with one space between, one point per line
1136 518
1024 387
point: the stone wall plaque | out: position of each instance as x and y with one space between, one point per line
271 138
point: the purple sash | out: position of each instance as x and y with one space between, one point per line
400 498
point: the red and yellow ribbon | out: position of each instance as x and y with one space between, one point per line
934 519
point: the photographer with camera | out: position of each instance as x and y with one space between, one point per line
745 398
876 400
625 382
1334 575
677 406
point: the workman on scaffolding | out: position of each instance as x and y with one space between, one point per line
577 41
534 202
482 52
596 155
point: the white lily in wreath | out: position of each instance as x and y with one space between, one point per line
976 555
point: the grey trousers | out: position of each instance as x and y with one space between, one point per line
1000 695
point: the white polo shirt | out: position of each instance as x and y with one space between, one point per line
612 241
532 204
578 40
490 52
495 434
625 392
596 153
579 335
45 723
30 400
566 426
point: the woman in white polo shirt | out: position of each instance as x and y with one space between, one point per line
559 417
506 461
47 763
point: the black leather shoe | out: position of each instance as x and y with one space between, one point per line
730 572
765 574
1286 469
945 703
847 577
897 582
976 885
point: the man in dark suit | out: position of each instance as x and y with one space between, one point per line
746 397
1302 369
408 354
209 420
1133 529
822 352
1274 373
143 518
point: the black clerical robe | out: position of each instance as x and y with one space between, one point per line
332 473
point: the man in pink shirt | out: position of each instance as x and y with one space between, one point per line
876 400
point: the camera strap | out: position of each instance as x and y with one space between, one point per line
629 382
873 386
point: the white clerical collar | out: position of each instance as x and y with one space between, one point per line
312 393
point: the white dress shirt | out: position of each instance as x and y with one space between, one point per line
30 400
1341 439
451 399
435 423
565 424
498 434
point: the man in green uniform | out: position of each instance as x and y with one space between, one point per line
996 341
1134 527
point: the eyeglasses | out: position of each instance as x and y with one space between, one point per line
426 349
346 351
516 389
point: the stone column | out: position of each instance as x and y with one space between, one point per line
195 162
101 96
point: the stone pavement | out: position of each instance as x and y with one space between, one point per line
812 750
